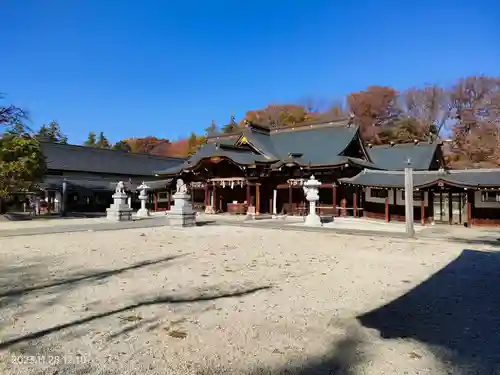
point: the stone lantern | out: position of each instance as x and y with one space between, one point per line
311 192
143 196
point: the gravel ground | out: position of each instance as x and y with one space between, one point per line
227 300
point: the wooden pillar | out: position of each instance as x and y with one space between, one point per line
355 203
155 197
469 208
169 198
450 208
387 207
257 199
192 197
249 197
205 203
334 200
422 207
215 198
290 200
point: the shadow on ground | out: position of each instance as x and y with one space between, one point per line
24 216
165 299
486 240
456 313
344 357
22 279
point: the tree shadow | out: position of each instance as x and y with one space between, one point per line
456 313
20 284
74 279
165 299
486 240
343 358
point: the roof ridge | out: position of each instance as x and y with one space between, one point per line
98 149
388 145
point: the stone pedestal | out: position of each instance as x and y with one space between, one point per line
312 195
119 210
209 210
143 211
181 214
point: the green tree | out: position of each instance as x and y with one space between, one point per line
231 127
10 115
212 129
193 143
102 141
22 163
51 133
91 140
122 146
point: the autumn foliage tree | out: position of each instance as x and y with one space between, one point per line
476 127
278 115
372 109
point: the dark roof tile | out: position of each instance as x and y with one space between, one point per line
465 178
88 159
395 158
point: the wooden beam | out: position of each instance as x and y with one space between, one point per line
334 200
450 208
422 207
249 197
354 204
257 199
469 208
387 207
214 203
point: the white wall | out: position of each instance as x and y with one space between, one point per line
480 204
398 195
401 202
369 198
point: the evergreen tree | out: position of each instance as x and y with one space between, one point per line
91 140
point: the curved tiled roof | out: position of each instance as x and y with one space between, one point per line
395 157
96 160
464 178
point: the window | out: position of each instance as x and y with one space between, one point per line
417 195
490 196
379 193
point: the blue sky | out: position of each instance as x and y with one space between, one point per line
164 68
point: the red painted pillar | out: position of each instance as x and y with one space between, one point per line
334 195
354 204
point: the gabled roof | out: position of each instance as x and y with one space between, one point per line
464 178
96 160
310 145
395 157
210 150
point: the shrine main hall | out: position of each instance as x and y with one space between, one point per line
259 170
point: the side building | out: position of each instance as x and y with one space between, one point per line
89 176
